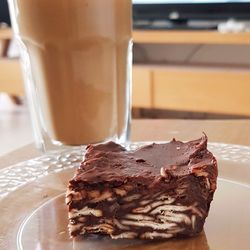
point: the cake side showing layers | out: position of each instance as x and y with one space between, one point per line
157 191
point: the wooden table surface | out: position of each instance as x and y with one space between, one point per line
224 131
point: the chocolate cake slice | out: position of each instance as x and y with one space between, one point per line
157 191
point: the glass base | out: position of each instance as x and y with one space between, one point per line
48 145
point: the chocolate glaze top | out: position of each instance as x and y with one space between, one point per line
111 162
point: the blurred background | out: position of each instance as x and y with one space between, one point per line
191 61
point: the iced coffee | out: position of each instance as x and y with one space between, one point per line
78 60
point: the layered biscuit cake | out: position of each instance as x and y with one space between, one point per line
157 191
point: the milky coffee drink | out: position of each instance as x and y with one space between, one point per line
78 51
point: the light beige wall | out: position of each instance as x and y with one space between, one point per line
238 55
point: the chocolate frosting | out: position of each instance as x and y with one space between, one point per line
111 162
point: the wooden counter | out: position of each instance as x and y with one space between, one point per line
175 37
190 37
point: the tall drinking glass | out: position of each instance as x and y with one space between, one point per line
76 57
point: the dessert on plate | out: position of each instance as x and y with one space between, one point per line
154 192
